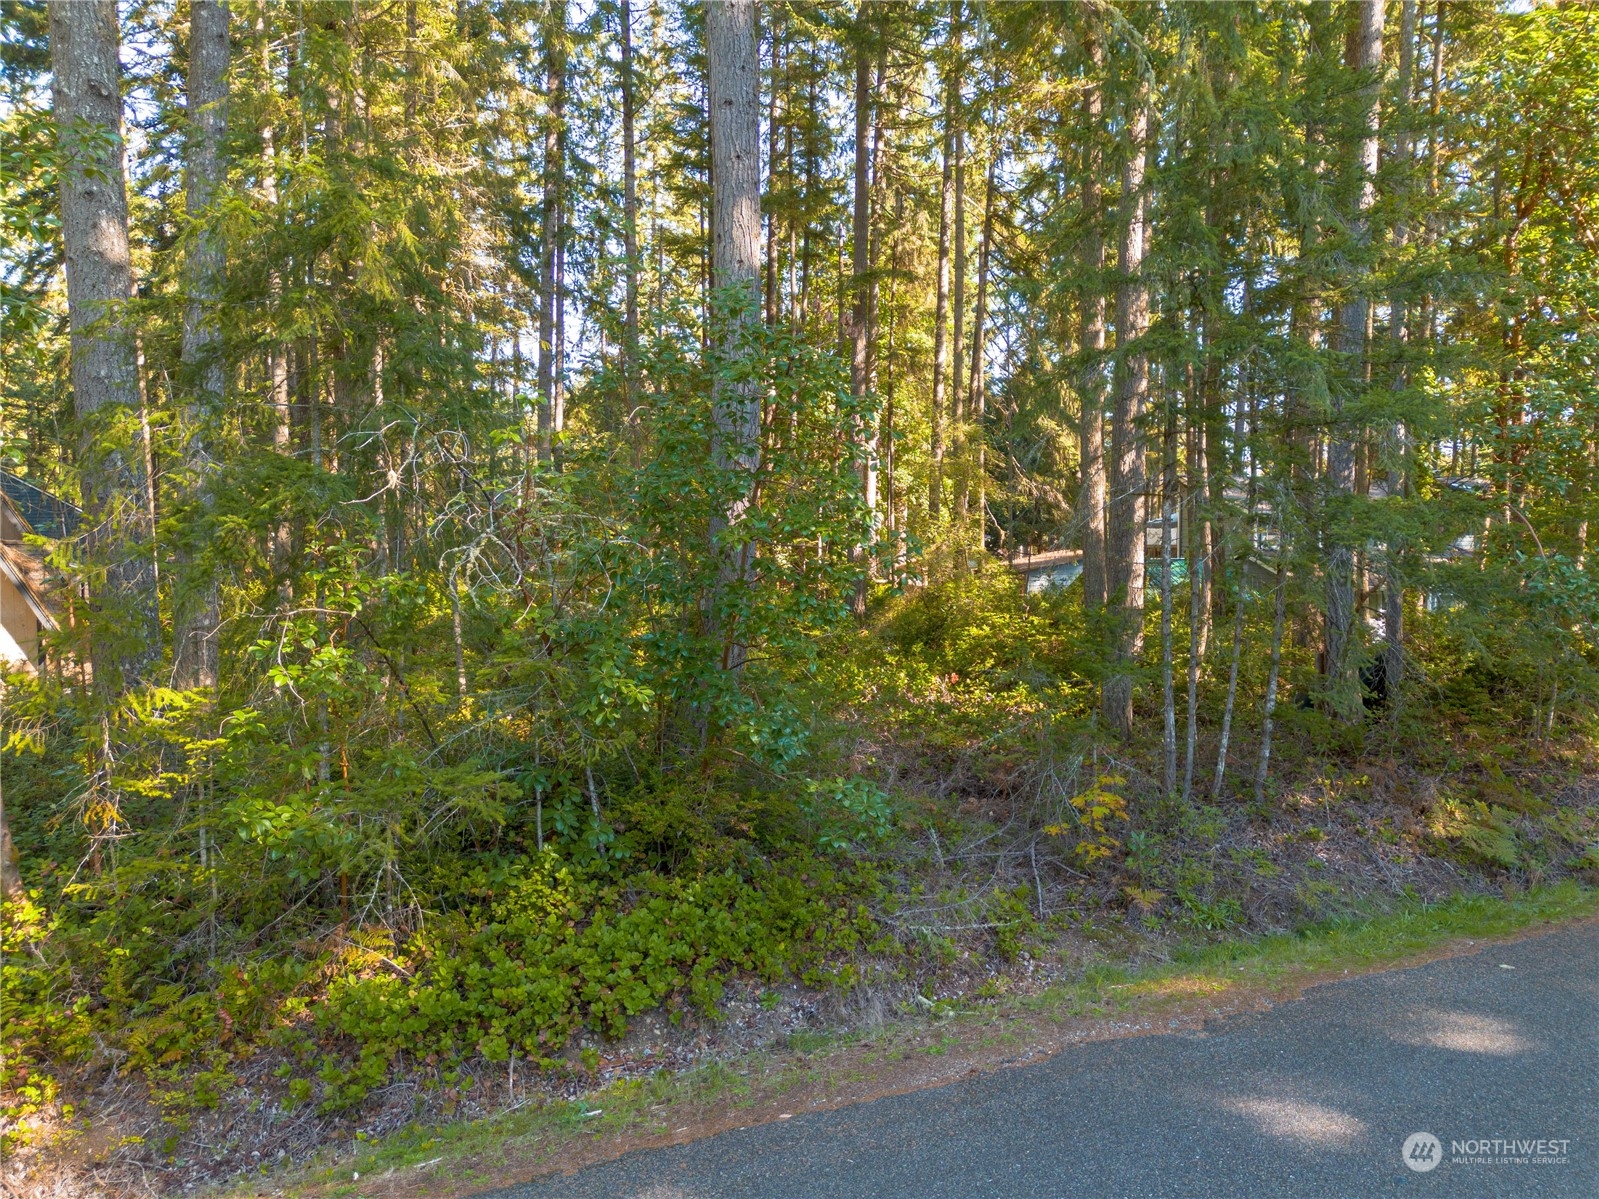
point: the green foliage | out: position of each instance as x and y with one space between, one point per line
45 1023
533 951
848 811
542 951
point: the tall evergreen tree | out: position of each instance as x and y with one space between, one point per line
84 47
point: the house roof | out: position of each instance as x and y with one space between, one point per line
47 515
1028 563
26 509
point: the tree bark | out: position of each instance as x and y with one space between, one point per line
860 295
277 354
1168 702
94 205
1365 60
861 316
804 303
1091 338
792 253
558 381
1128 481
195 615
1399 322
874 244
957 298
733 77
1274 673
87 96
1248 421
935 498
1210 403
1197 552
550 225
1229 706
630 346
207 100
772 270
977 405
277 350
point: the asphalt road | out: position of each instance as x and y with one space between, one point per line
1313 1098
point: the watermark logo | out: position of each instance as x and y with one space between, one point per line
1421 1152
1509 1151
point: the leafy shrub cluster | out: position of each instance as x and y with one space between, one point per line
1487 819
550 767
41 1025
537 951
544 951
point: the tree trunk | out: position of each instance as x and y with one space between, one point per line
1365 59
1091 388
861 227
861 295
977 406
558 354
958 414
94 204
791 249
277 354
630 346
195 602
802 306
1247 424
1229 706
1196 604
891 492
1274 673
1198 557
1128 482
733 75
772 267
1168 702
1399 321
935 498
550 224
874 245
207 101
104 365
1210 403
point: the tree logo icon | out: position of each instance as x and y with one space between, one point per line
1421 1152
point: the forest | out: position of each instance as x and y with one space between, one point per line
525 514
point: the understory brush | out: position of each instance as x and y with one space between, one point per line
952 824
